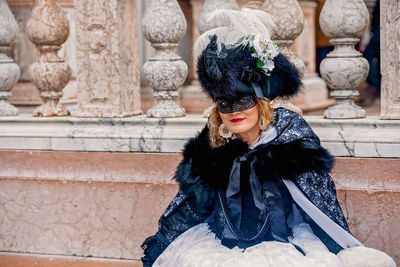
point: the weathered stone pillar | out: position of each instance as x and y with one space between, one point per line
108 79
289 22
390 59
164 24
48 29
314 94
24 94
191 97
9 71
344 69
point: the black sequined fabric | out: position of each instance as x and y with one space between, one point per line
290 127
320 189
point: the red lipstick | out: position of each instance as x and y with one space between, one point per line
237 120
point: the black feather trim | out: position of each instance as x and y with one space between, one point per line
285 79
205 169
291 159
238 64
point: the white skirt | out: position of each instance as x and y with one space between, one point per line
198 247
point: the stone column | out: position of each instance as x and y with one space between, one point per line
108 79
344 69
25 96
48 29
390 59
164 24
191 97
314 94
289 22
304 45
9 71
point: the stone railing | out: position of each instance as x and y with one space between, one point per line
368 137
108 76
108 83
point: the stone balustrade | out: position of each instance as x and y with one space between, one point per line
289 22
360 138
9 71
314 95
48 29
163 24
344 69
103 93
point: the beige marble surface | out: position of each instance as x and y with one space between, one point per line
48 28
390 58
82 218
29 3
8 259
55 203
368 137
9 71
164 25
107 59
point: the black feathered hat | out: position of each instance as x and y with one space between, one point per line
243 69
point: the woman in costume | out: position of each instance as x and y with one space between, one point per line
254 184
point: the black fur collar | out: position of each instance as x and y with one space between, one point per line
207 167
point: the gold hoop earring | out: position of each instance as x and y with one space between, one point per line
262 124
224 131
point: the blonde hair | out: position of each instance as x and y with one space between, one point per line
265 112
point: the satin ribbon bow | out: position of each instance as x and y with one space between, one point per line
233 195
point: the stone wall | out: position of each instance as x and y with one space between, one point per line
103 204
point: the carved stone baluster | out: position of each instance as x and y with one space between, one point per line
48 29
205 25
314 94
164 24
289 23
344 69
9 71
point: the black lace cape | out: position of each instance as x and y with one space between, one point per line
294 154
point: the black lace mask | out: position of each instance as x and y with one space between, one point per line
239 103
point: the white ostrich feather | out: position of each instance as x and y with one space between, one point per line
204 39
233 25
